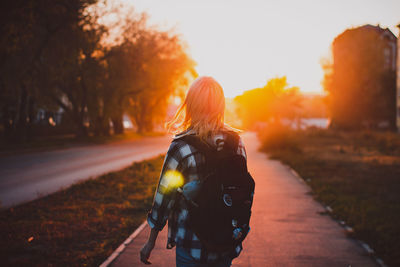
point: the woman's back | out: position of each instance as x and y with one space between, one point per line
203 113
184 159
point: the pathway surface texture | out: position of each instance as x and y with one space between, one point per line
287 227
28 176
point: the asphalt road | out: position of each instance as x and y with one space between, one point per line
29 176
287 227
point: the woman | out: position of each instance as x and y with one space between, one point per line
201 114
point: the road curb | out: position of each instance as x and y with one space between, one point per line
343 224
122 247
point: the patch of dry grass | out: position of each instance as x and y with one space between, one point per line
81 225
358 175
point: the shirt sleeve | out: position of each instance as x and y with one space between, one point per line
170 179
241 149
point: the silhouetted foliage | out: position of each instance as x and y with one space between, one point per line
53 56
158 66
314 106
272 102
34 33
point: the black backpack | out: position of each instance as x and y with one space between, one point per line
220 212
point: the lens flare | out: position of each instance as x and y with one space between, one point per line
172 179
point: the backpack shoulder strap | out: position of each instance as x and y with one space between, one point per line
232 141
201 146
209 152
231 144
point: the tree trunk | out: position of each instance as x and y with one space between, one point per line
31 116
140 128
7 122
21 117
105 127
118 125
101 126
80 130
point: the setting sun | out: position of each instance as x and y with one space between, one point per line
245 43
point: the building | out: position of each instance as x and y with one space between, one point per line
390 43
362 80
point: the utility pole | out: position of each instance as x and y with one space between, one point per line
398 83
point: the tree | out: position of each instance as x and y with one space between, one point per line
75 66
314 106
272 102
161 66
361 80
54 55
37 36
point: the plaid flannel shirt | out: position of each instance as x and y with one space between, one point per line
182 157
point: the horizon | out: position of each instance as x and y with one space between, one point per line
244 53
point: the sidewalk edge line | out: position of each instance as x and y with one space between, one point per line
347 228
124 244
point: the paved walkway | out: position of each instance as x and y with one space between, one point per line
286 227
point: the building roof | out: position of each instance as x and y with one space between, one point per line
387 32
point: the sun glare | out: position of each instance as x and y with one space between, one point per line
177 100
260 40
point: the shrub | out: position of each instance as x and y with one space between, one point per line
279 137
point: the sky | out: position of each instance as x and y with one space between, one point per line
242 44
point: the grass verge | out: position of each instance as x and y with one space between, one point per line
357 174
81 225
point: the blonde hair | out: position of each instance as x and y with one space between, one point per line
202 110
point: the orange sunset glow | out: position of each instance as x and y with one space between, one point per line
190 122
245 43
